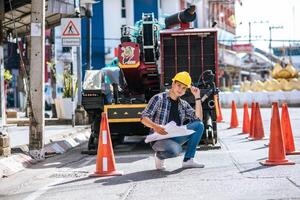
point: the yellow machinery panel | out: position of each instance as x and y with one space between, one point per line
124 112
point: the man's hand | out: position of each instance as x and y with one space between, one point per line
195 91
157 128
198 106
160 130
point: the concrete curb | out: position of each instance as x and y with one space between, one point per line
58 145
14 164
48 121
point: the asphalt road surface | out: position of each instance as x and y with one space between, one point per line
232 172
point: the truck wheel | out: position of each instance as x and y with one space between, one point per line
91 143
117 139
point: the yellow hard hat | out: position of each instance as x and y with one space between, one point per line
183 77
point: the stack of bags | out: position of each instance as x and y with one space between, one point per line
283 79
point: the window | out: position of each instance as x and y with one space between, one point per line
123 9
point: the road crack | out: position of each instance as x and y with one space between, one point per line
129 191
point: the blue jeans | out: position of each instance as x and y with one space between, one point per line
172 147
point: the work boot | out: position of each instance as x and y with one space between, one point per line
159 164
191 164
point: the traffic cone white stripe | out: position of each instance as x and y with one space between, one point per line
104 164
104 137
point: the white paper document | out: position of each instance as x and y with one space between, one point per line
173 131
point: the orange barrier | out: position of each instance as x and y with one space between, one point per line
287 131
218 109
246 120
251 134
234 119
276 146
105 163
258 132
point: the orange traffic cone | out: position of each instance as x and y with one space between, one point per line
105 162
287 131
218 109
251 134
276 147
258 125
234 119
246 120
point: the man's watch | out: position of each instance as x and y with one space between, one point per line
199 98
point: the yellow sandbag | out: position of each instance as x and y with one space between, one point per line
275 85
253 86
284 73
260 86
242 87
285 85
292 70
247 86
257 86
268 85
294 83
277 68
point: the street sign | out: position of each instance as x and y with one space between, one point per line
243 48
71 32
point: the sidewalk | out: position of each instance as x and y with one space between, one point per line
58 139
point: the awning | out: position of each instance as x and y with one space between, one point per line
256 60
229 57
18 14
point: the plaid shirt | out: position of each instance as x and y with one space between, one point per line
158 109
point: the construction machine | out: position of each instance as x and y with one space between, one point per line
149 56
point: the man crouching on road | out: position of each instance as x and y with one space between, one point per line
168 106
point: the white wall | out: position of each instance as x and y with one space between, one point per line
202 13
169 7
129 12
112 26
296 62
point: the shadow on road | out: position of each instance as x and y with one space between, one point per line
263 147
254 169
265 158
128 178
138 176
130 159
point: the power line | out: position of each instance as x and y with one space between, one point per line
260 40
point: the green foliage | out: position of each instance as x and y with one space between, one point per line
67 78
7 75
226 89
52 68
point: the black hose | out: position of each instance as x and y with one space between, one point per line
188 15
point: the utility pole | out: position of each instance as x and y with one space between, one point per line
36 80
249 32
3 114
4 138
270 40
81 116
88 5
79 76
89 15
250 26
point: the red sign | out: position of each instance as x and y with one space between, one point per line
129 55
242 48
71 30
